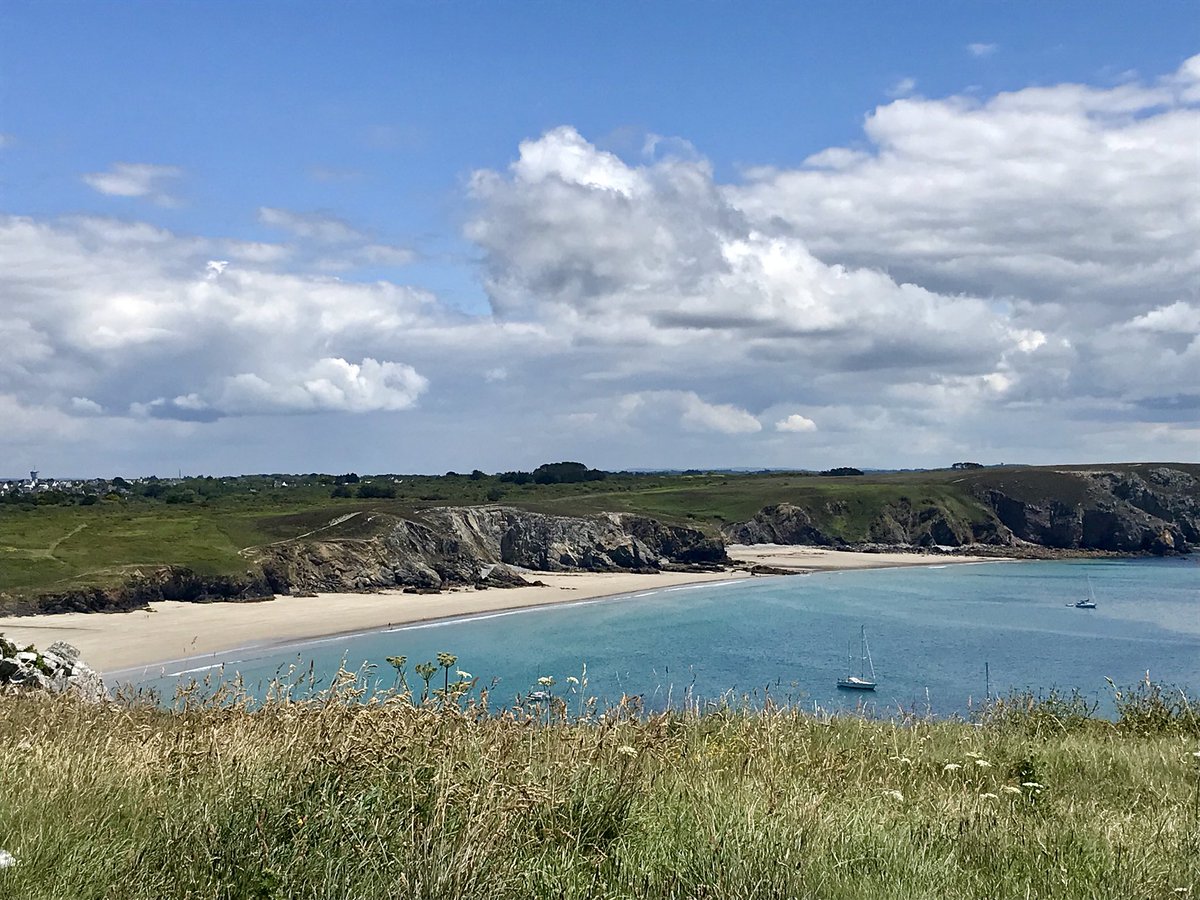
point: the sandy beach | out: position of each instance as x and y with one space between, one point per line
817 559
170 632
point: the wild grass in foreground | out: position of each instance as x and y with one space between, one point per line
342 796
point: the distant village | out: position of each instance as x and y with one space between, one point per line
35 484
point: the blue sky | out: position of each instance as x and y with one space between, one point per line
359 131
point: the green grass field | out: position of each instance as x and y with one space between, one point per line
336 797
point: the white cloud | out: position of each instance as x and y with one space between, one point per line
84 406
690 411
136 180
902 87
1072 199
313 226
796 423
330 384
121 316
980 50
1013 275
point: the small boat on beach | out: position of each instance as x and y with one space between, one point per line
859 682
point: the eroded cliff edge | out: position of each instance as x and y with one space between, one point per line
448 547
1154 510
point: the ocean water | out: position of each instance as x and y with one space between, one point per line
931 630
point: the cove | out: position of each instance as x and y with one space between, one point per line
931 629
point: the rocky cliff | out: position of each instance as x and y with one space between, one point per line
1134 509
485 546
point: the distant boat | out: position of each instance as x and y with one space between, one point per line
859 682
1089 602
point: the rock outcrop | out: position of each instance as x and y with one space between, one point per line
485 545
782 523
1156 510
57 669
1134 509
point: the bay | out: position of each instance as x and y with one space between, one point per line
931 630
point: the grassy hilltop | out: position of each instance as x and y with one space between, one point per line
57 542
334 797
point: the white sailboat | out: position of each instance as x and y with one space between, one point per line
1089 602
859 682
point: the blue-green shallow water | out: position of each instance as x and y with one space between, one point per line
930 631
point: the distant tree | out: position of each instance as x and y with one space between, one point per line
341 491
371 491
566 473
967 465
477 475
348 478
495 494
843 470
516 477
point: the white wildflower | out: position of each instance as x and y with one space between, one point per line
1196 754
895 795
7 859
988 795
983 763
951 767
546 680
571 679
1010 789
626 750
1032 785
466 675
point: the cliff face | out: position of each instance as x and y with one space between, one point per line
463 546
1156 510
1152 509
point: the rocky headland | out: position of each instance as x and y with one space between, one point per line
1155 511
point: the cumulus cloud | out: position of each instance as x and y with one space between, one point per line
655 254
136 180
690 412
902 87
1081 200
328 385
796 423
970 276
120 316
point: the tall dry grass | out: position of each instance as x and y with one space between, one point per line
341 795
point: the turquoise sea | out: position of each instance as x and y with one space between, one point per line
931 630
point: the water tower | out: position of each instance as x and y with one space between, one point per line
33 473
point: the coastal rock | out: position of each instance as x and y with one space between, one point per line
485 546
58 670
782 523
1152 511
1136 509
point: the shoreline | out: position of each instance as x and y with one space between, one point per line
173 633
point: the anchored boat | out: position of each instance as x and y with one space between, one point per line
859 682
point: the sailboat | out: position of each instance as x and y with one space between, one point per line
1089 602
859 682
